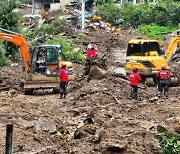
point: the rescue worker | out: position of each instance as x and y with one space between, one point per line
90 56
92 51
134 79
63 75
40 66
163 81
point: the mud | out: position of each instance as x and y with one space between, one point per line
97 116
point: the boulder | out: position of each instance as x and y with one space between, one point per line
97 73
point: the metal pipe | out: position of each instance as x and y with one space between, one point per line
9 139
83 14
8 31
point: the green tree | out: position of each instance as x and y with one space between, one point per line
110 13
3 58
102 2
10 20
25 1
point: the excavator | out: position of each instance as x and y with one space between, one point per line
145 55
41 63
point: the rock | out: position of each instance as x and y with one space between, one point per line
45 125
153 99
114 146
176 124
173 100
12 92
177 127
76 49
79 133
98 136
97 73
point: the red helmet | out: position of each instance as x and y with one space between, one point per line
135 70
92 45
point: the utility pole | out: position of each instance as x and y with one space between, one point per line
33 6
83 14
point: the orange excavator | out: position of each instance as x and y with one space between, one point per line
42 63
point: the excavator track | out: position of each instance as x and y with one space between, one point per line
149 82
29 87
174 82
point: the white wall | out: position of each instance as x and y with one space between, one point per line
55 6
64 2
39 7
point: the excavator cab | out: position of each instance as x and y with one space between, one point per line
45 60
143 48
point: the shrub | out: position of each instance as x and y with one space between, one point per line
163 13
50 29
155 31
168 143
68 46
3 59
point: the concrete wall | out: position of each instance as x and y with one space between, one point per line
55 6
64 2
38 7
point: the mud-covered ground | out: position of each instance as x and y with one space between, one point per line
96 117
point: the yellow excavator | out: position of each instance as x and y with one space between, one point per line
145 55
41 64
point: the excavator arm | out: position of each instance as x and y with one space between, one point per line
20 41
174 43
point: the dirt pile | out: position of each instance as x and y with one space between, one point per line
11 78
96 117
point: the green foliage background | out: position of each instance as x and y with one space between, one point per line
54 29
155 31
68 49
10 20
163 13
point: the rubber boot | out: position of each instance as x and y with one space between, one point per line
61 96
166 94
159 94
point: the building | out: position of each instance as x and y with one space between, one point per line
41 6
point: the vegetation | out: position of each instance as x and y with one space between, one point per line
165 13
168 143
155 31
9 19
25 1
3 59
53 29
153 19
44 29
110 13
68 49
